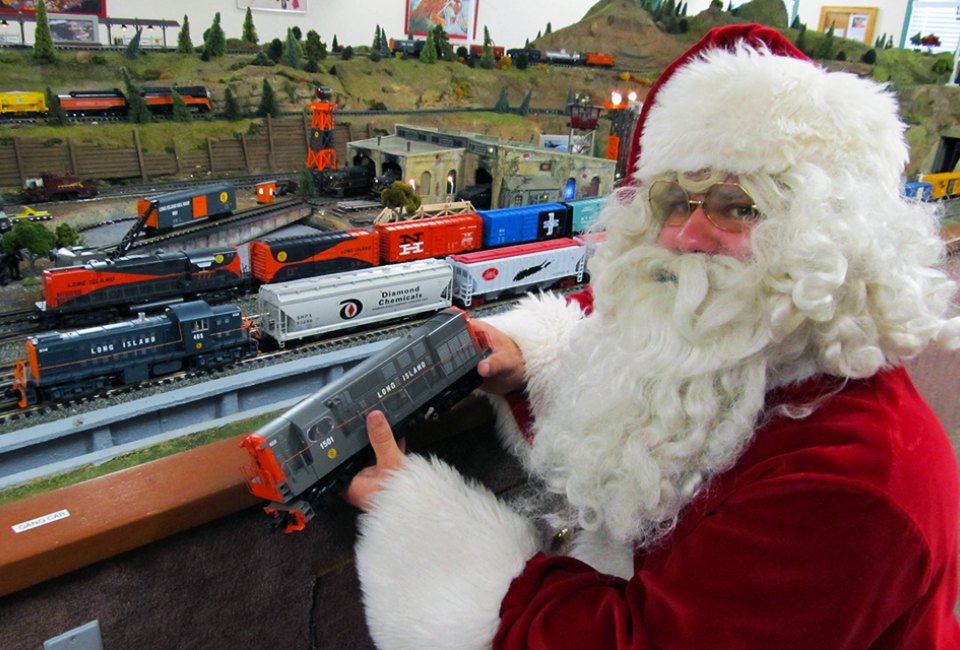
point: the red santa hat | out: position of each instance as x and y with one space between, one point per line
744 99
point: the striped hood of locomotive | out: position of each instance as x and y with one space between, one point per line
95 283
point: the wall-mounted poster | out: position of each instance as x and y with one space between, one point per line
88 7
289 6
458 17
855 23
74 29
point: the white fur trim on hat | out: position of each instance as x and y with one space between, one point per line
749 112
435 557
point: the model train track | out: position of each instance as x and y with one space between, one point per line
16 325
258 212
12 416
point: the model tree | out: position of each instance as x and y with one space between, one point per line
137 112
231 107
65 235
55 113
429 52
269 107
400 195
375 54
249 31
292 49
334 45
442 41
502 105
33 238
43 49
524 108
384 43
214 40
184 43
133 47
181 112
487 60
314 48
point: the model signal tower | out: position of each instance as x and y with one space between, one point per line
321 154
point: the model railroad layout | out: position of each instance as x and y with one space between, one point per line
174 312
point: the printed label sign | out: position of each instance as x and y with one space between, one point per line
40 521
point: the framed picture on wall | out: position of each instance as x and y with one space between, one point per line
89 7
458 17
286 6
73 29
855 23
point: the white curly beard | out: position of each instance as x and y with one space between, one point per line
667 379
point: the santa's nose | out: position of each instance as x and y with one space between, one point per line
698 234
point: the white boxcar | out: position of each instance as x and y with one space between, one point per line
327 303
487 274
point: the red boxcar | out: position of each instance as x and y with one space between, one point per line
292 258
436 237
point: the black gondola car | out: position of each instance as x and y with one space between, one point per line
303 455
64 365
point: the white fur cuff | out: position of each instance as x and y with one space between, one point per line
540 326
435 557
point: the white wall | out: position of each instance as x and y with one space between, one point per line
353 21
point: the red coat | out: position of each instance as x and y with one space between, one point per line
834 531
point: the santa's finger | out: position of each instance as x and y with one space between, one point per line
385 447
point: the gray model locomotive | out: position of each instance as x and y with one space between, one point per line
303 455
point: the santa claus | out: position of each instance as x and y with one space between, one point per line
742 458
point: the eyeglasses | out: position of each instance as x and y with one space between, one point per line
726 205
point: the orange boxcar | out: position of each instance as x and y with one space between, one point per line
436 237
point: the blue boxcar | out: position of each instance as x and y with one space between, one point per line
526 223
585 211
918 190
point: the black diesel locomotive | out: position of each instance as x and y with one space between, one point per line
70 364
305 454
101 289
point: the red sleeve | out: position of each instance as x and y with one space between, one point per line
792 562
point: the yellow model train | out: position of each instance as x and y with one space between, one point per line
943 185
22 102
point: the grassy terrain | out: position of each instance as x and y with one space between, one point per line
133 459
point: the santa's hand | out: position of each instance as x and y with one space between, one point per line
389 455
502 371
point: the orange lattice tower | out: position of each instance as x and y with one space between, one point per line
321 154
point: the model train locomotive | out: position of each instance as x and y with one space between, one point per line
308 452
60 366
100 290
107 102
